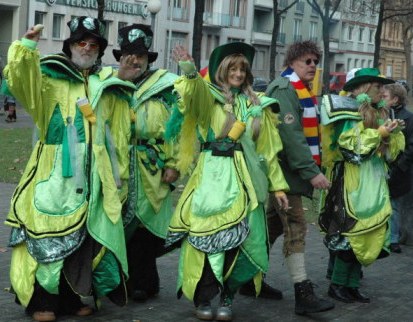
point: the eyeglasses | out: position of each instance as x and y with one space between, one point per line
309 60
84 44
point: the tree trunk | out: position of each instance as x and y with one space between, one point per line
274 36
101 9
377 37
326 40
197 34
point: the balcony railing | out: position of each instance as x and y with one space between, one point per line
298 38
224 20
181 14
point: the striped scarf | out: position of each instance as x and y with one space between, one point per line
308 102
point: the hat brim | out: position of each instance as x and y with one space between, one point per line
103 43
152 56
219 53
357 81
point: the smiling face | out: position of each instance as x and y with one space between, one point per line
85 52
236 75
305 67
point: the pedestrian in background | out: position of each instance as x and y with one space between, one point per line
395 96
10 108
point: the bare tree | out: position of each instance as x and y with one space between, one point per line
101 9
326 13
197 33
275 31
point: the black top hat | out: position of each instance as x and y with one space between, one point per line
135 39
81 27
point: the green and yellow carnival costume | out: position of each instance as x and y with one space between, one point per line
149 199
70 193
356 210
222 206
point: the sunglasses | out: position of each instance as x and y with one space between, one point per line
84 44
309 60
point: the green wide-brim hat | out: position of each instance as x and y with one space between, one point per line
219 53
366 75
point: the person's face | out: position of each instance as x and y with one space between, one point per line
138 63
236 76
85 52
375 92
305 67
390 101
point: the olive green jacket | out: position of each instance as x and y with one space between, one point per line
295 159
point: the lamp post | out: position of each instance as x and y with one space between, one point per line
154 6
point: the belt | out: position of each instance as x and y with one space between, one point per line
146 142
223 149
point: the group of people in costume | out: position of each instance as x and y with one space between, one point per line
93 209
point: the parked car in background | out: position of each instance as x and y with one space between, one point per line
260 84
337 81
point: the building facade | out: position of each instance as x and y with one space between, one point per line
392 54
13 23
352 28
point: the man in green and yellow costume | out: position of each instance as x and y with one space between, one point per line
152 161
65 217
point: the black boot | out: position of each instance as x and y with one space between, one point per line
340 293
306 301
267 292
357 296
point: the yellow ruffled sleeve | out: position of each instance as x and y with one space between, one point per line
24 79
268 145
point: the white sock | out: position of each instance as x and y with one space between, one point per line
296 267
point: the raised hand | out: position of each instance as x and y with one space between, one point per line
129 69
179 53
34 33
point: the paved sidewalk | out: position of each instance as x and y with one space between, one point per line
388 281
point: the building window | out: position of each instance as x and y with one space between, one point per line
121 25
356 62
238 8
313 31
361 31
180 9
362 63
57 26
297 30
348 63
39 18
299 7
174 39
370 63
259 61
353 5
350 32
371 35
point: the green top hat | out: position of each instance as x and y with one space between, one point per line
219 53
366 75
